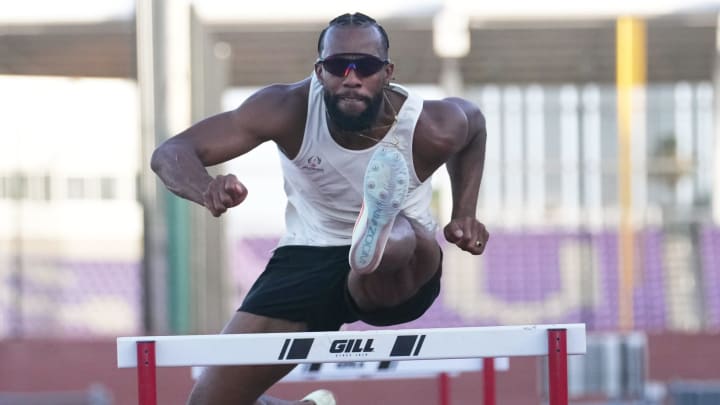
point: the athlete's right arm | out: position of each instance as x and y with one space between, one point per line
180 161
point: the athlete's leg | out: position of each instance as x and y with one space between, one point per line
391 257
411 258
245 385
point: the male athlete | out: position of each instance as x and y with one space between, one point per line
357 153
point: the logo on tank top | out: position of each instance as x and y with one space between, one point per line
313 164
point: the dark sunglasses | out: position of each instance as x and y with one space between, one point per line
363 66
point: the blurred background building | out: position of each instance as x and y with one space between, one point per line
623 237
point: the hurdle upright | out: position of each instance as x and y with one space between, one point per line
554 341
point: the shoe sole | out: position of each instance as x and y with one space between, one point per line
384 191
321 397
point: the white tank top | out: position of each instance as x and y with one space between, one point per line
324 182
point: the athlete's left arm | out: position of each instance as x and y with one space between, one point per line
465 168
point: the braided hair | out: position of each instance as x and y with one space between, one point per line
354 20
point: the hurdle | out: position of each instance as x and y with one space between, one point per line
557 341
441 370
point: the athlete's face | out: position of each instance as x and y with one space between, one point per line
353 71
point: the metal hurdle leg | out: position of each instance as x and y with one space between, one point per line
147 384
488 372
444 388
557 366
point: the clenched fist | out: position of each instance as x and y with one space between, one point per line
468 234
223 192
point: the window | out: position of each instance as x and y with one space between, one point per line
38 188
47 186
17 186
76 188
108 188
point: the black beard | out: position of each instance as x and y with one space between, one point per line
349 123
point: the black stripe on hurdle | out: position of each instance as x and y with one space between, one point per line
385 365
404 345
419 345
298 349
284 348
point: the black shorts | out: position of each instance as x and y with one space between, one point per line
309 284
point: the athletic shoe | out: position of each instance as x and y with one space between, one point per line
321 397
384 191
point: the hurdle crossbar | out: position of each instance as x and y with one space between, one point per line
555 341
